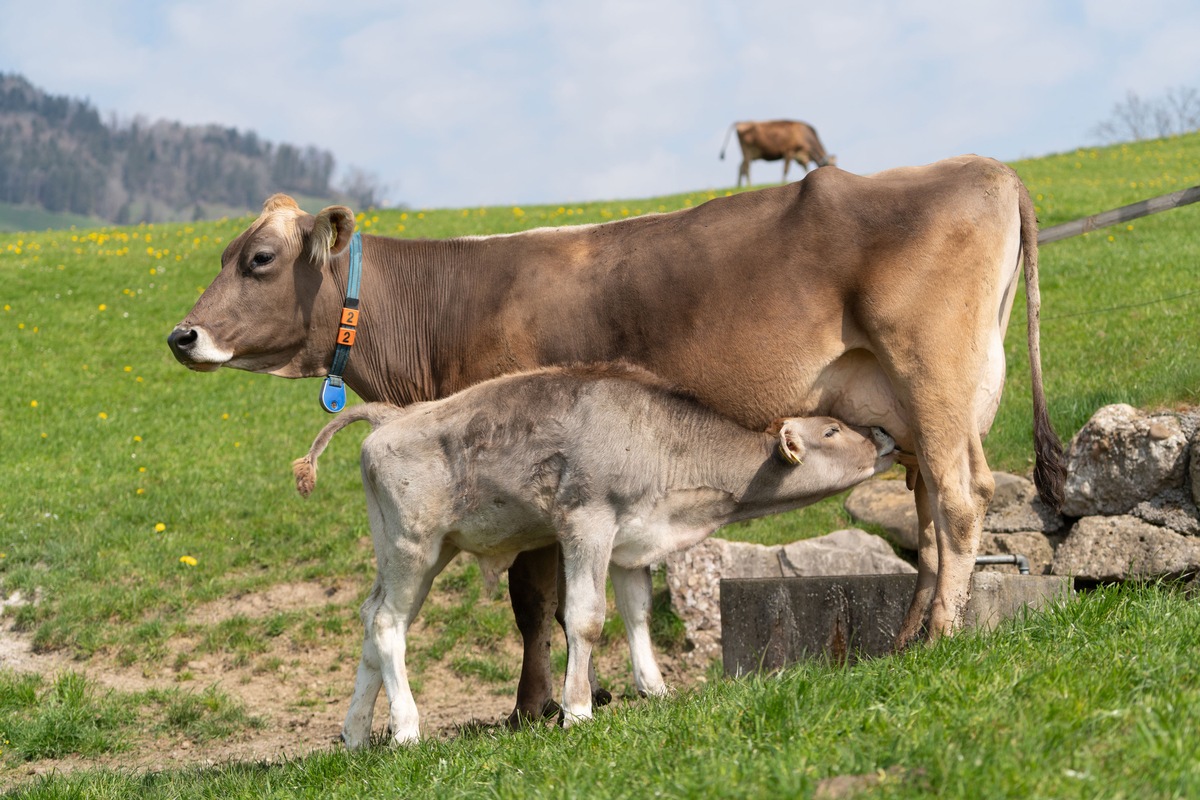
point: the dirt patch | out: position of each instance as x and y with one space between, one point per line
299 691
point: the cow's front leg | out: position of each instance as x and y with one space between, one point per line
634 594
533 592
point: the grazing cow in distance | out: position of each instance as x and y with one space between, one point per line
881 300
613 465
778 139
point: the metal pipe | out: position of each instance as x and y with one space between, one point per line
1021 561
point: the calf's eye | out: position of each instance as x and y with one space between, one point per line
831 432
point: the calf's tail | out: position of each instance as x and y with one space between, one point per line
1049 471
305 467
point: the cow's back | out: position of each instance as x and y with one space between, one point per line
773 302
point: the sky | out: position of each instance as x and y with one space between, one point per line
464 103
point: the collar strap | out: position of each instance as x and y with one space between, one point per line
333 390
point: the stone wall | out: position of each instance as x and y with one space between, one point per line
1130 509
1130 512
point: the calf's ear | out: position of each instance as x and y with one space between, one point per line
791 446
330 234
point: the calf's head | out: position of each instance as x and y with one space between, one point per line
267 309
842 454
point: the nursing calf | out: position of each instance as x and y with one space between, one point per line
613 465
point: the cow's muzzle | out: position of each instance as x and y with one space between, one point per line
193 348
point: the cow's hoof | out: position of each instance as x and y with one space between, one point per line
601 697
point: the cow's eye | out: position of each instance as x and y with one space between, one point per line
262 258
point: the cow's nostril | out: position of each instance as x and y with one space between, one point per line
182 339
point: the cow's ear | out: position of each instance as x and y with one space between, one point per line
330 234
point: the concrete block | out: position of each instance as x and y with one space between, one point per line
768 623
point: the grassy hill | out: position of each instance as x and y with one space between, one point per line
119 463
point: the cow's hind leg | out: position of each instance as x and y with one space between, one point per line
927 567
634 594
958 509
533 588
959 487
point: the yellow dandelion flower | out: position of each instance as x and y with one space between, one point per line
128 368
189 560
159 527
103 307
33 403
103 415
141 490
137 438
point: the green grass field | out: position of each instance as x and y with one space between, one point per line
134 491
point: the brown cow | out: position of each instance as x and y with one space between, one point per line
778 139
606 460
880 300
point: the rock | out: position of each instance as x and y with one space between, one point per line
1172 508
1034 545
1011 491
1124 547
1194 468
1030 514
846 552
694 575
888 504
1122 457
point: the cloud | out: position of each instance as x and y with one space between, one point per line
518 101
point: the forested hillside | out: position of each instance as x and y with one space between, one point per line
57 153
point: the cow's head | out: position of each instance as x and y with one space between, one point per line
264 312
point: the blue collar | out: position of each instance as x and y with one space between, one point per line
333 390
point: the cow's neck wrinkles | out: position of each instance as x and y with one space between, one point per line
414 296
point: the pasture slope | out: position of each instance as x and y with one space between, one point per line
177 602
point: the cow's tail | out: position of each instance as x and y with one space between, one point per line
1049 471
725 143
305 467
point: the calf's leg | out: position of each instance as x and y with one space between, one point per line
600 695
634 594
586 551
356 730
406 573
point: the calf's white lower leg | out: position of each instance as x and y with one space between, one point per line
634 595
585 562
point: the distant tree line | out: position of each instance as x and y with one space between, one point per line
57 153
1136 118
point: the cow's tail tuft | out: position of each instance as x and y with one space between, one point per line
1049 471
305 467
